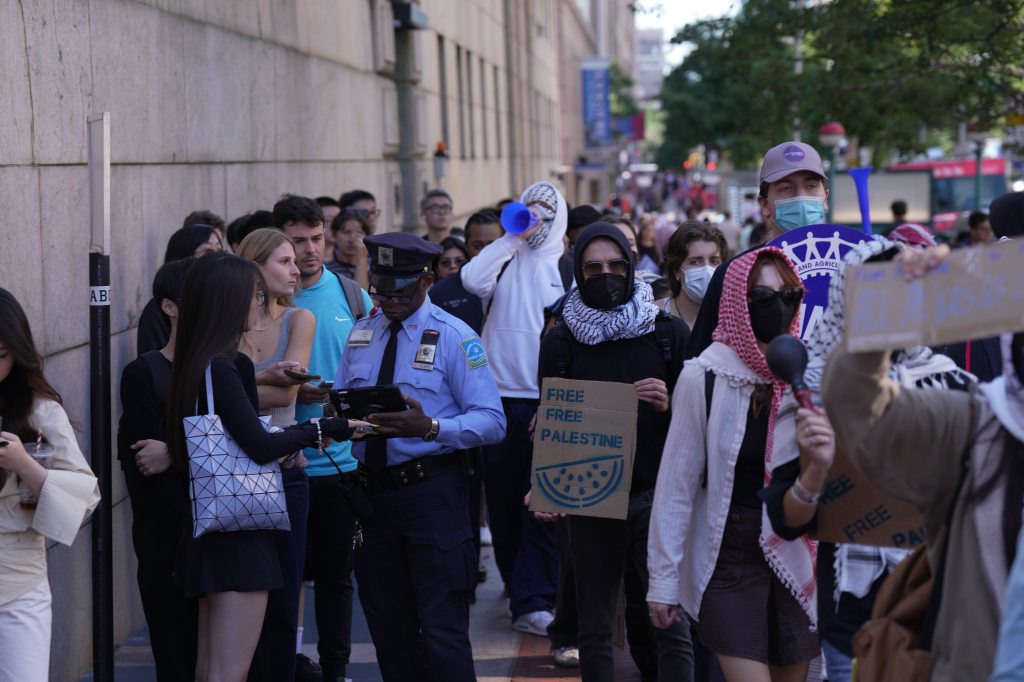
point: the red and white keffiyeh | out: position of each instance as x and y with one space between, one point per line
793 562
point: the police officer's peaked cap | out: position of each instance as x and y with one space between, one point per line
398 259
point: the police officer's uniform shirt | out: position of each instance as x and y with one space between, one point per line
458 390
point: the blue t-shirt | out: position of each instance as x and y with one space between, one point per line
334 320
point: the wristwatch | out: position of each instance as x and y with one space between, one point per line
435 426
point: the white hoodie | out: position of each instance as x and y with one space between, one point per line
515 304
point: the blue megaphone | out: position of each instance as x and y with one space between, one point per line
860 181
516 218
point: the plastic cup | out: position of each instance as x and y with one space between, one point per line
43 454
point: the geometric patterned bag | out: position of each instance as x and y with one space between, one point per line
230 491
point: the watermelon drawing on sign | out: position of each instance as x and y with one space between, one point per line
581 483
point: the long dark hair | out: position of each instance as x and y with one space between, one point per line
26 381
184 242
213 313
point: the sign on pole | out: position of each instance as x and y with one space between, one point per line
817 251
597 115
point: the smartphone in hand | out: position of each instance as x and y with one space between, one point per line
301 376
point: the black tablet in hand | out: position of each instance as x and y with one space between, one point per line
357 403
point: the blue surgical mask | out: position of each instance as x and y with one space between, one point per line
798 212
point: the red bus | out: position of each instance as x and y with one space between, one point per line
953 187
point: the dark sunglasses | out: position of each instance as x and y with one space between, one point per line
789 295
396 296
618 266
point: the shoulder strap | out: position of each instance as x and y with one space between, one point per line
931 615
564 349
501 272
709 392
209 391
663 330
353 295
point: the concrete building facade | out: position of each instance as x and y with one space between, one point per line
224 105
588 28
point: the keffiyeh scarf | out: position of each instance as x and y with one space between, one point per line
793 562
827 334
630 320
546 192
1006 395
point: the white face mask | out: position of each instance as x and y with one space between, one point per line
696 280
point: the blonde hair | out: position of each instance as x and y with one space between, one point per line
258 246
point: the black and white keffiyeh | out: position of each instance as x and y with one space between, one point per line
827 334
630 320
546 192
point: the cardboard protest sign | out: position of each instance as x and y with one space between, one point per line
583 448
854 510
977 292
817 251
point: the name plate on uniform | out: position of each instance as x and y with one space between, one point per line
583 448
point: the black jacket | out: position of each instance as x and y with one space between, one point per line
624 361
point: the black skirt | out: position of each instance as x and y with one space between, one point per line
237 561
746 611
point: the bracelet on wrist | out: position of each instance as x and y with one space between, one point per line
319 436
802 495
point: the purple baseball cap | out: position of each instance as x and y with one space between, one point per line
788 158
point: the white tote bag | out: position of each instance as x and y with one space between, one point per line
229 490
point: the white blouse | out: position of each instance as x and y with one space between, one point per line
67 498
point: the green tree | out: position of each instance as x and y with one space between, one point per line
888 69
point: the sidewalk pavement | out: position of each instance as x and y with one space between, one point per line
501 654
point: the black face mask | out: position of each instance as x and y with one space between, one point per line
772 312
605 291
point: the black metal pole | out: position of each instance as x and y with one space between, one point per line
100 450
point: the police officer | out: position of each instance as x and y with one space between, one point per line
416 567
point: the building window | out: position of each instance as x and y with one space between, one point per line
483 103
462 112
442 79
497 113
469 104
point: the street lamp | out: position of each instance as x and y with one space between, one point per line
830 135
976 135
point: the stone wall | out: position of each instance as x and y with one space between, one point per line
219 105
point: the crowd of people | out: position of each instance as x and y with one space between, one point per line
261 321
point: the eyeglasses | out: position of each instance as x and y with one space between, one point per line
452 262
618 266
397 296
361 212
789 295
437 208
